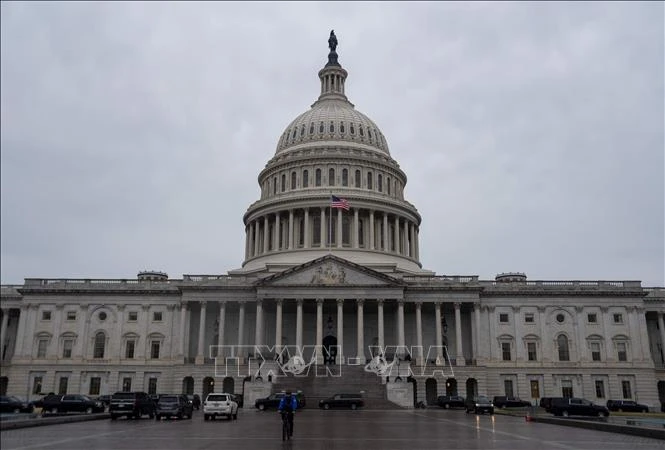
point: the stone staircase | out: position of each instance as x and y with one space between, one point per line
319 384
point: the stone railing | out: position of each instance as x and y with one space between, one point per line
79 281
564 284
440 279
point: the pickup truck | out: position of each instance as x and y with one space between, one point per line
352 401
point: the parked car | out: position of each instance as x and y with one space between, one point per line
546 403
479 405
577 407
46 402
352 401
450 401
221 404
79 404
503 401
11 404
626 405
176 405
195 400
131 404
272 401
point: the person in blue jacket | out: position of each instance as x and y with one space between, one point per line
288 405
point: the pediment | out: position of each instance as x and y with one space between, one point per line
329 270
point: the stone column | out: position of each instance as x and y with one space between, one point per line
290 229
417 244
385 244
581 334
299 324
142 351
20 334
278 326
200 355
241 330
396 236
247 241
360 354
476 333
3 331
400 325
661 328
635 335
306 238
382 342
277 232
257 242
117 338
323 226
52 352
544 353
371 230
458 336
439 336
338 234
644 332
340 330
419 333
183 317
319 330
258 332
221 329
266 235
356 229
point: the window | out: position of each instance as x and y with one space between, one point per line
62 385
37 385
311 128
503 318
100 343
370 183
317 177
302 130
41 348
95 385
618 318
316 230
508 388
305 178
625 388
293 180
622 354
528 318
67 346
388 185
102 316
341 127
562 345
331 177
600 389
321 127
157 316
566 388
535 389
332 127
360 130
46 315
505 350
126 384
592 318
71 315
154 349
129 349
358 183
274 185
379 181
152 386
133 316
345 177
283 182
353 130
595 351
531 351
560 318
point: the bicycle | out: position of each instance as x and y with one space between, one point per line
287 425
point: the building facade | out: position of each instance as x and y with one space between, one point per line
340 286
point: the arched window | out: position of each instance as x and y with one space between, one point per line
358 181
341 127
100 344
331 177
293 180
316 230
345 177
311 128
283 182
353 130
302 130
562 345
360 130
321 127
305 178
370 184
332 127
317 176
274 185
388 185
379 181
369 134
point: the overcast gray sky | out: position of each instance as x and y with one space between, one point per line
531 133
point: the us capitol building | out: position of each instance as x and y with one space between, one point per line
346 281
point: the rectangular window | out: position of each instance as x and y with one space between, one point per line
46 315
62 385
567 388
133 316
152 386
129 349
157 316
154 349
37 385
621 351
126 384
67 346
618 318
508 387
503 318
592 318
41 348
505 349
71 315
95 385
595 351
528 318
531 351
600 389
625 388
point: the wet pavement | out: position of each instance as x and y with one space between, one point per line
317 429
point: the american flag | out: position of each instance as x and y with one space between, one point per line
338 202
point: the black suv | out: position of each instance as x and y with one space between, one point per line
573 406
450 401
131 404
176 405
479 405
509 402
626 405
352 401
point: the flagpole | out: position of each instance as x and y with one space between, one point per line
330 225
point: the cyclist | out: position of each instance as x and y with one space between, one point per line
287 406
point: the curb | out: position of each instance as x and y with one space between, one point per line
43 421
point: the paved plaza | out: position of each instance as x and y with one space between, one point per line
316 429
